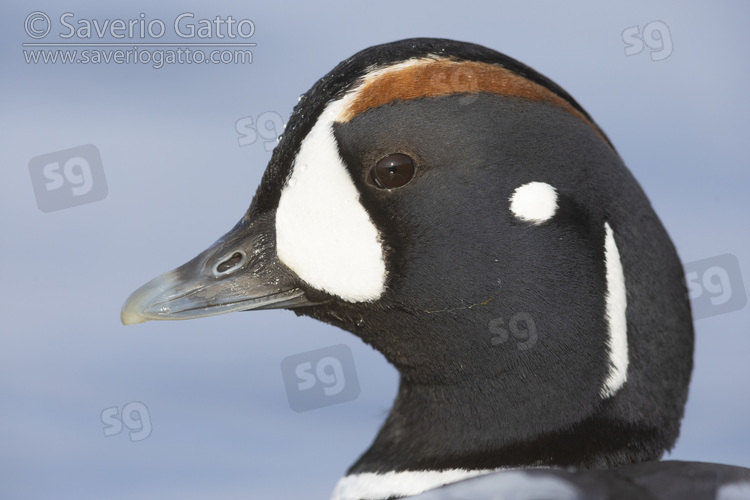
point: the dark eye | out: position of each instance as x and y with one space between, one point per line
393 171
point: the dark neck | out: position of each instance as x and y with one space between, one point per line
438 427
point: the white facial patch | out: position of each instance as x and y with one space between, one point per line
378 486
323 233
617 324
535 202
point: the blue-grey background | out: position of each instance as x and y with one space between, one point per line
177 180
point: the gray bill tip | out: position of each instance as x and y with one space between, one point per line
149 301
173 296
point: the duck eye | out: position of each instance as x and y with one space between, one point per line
393 171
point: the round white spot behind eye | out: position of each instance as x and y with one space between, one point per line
535 202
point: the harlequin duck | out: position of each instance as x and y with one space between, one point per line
466 217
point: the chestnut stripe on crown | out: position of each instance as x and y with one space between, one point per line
431 77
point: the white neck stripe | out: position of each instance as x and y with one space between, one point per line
378 486
617 324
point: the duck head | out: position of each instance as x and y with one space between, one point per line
467 218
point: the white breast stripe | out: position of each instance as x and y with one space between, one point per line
323 233
374 486
736 491
617 324
508 485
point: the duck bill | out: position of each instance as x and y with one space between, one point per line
237 273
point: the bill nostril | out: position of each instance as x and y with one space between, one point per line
236 260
